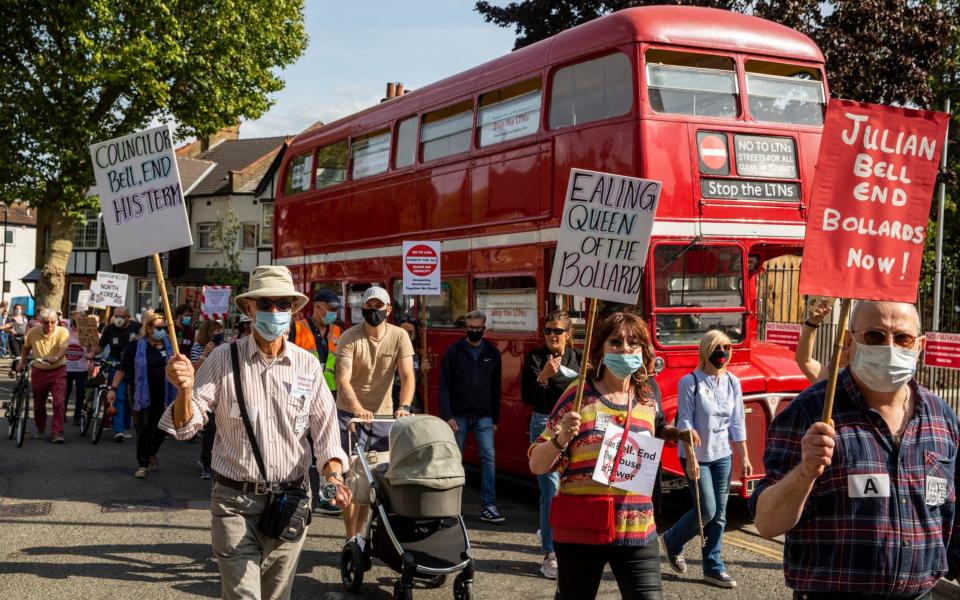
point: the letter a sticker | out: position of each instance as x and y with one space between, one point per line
872 485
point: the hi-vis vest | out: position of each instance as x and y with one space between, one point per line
303 336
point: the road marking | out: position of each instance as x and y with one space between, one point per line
739 542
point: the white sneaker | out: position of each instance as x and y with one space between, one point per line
549 567
127 435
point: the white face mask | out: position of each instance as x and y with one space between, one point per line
884 368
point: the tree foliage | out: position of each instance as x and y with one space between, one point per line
74 73
225 239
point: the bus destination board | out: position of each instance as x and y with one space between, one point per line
740 189
766 156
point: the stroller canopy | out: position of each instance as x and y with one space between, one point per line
424 452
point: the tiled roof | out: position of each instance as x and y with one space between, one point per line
233 155
191 170
21 214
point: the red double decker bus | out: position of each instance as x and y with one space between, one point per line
725 109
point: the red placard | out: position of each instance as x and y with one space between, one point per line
871 197
784 334
942 350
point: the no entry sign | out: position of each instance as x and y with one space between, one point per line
870 201
712 148
421 268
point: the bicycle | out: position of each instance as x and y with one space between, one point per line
95 405
19 406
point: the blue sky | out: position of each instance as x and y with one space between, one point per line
356 47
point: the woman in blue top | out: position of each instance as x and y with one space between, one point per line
710 401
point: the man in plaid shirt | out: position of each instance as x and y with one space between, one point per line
868 505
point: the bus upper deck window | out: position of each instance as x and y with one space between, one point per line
781 93
686 83
331 164
596 89
371 154
509 113
447 131
298 175
406 149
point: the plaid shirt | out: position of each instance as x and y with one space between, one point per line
850 538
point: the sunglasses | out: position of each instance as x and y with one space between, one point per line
878 337
266 304
554 331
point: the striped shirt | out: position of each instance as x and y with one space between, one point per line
881 518
633 513
286 398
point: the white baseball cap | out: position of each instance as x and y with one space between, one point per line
376 292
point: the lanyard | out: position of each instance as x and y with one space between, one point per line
623 440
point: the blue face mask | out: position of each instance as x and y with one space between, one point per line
272 325
330 317
158 335
186 320
623 365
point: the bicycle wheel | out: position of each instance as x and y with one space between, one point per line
23 401
85 413
99 410
13 412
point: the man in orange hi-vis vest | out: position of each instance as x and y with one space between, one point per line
319 336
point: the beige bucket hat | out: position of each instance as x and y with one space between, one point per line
272 281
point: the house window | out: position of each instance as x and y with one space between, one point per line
85 232
8 237
146 295
248 239
204 231
75 288
266 224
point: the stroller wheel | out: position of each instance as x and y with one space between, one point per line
351 567
462 589
402 593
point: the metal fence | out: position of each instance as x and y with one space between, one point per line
779 300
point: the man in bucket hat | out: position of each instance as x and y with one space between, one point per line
286 398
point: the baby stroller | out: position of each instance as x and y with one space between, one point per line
415 526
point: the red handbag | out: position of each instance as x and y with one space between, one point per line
586 519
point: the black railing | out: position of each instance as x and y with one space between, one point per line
779 300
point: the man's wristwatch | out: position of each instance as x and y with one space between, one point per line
405 408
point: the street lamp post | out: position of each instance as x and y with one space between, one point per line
938 262
3 276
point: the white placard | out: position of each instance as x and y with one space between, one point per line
509 311
421 268
140 194
83 300
637 470
604 236
513 118
94 301
215 301
111 289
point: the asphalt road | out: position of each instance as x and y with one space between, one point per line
75 523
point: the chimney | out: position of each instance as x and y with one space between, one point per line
391 92
227 133
400 91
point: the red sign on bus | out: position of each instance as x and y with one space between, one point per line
942 350
871 199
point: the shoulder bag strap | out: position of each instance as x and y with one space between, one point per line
238 389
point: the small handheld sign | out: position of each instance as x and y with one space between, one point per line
870 202
215 301
421 263
112 288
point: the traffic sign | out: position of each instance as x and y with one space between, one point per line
714 158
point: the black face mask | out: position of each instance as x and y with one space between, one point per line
719 358
374 317
218 338
474 336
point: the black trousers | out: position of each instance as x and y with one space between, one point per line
580 567
209 433
149 436
80 380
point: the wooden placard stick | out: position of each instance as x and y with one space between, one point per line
587 340
182 408
424 379
835 361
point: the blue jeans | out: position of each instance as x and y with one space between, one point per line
123 418
549 484
483 432
714 491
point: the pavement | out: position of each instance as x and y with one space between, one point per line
75 523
